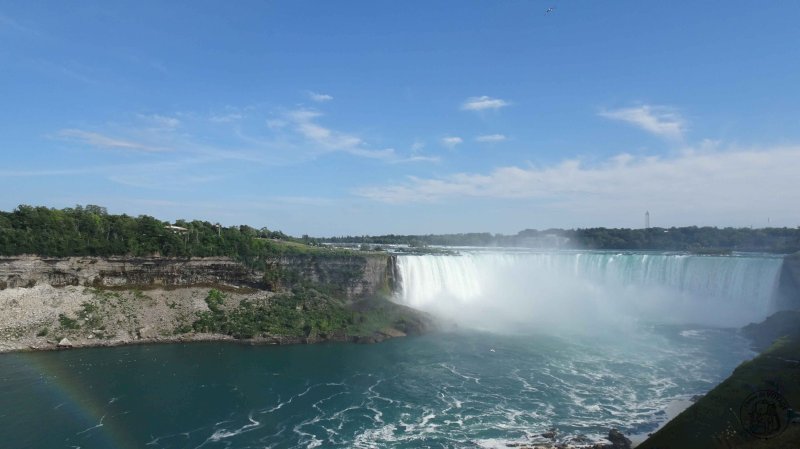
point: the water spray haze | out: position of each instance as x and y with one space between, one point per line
588 292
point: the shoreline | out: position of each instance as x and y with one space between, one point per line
52 346
712 421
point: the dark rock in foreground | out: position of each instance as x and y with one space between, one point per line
617 439
781 324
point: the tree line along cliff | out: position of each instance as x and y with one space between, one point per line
92 231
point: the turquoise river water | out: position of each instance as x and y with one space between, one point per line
572 342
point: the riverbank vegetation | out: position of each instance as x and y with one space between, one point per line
304 313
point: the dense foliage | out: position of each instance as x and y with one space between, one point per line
301 313
92 231
691 238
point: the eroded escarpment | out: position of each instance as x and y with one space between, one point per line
116 300
352 276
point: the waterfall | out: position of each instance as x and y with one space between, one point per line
589 286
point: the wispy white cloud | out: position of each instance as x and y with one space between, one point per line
318 97
417 158
386 154
451 141
303 120
201 154
417 155
483 103
724 185
327 139
659 120
490 138
102 141
161 122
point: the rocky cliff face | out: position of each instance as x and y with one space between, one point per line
352 276
789 283
27 271
119 300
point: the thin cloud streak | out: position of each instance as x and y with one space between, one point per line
417 158
330 140
159 122
294 136
319 98
490 138
727 183
659 120
483 103
452 141
102 141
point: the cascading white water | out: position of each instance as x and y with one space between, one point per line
582 288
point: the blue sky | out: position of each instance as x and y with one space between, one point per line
372 117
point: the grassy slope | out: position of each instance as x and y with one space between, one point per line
713 422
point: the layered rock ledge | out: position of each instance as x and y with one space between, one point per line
95 301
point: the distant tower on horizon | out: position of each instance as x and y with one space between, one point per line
647 220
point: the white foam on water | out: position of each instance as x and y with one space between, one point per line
222 434
693 333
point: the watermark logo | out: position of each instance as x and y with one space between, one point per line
765 414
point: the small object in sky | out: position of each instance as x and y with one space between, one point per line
491 350
550 9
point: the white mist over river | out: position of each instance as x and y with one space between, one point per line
575 291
